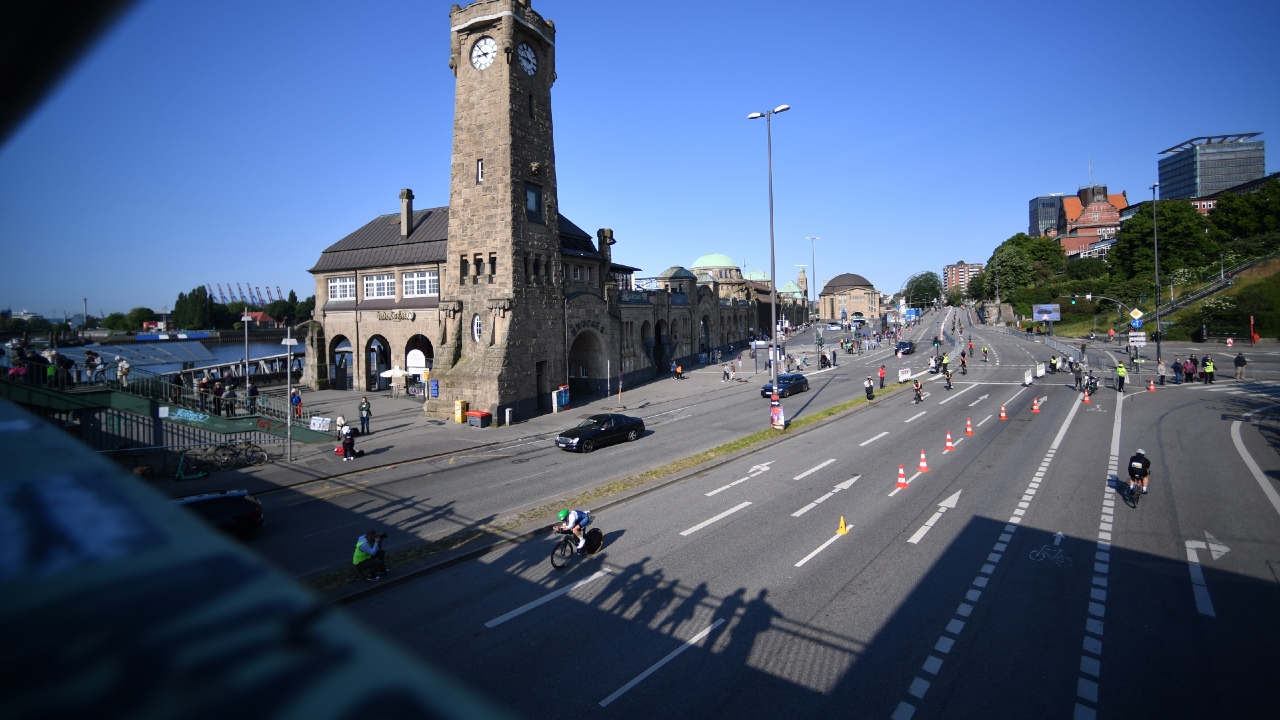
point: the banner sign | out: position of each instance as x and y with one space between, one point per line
904 375
1046 313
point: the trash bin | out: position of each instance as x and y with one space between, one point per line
479 418
459 411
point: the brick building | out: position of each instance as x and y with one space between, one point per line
848 297
1090 216
956 277
497 297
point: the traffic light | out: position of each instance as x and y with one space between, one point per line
936 342
1073 299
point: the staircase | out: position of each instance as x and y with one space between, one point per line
1213 287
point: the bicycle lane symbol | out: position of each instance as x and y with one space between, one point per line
1051 553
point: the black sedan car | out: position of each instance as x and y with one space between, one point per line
233 511
599 430
787 384
906 347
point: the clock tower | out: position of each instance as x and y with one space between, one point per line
502 341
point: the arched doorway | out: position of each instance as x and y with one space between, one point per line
704 334
377 354
588 373
340 363
419 357
646 339
661 347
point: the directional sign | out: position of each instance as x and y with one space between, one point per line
948 504
1135 313
1135 324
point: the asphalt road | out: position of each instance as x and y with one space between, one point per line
1010 580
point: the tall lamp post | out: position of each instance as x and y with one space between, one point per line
813 258
245 319
1155 238
773 272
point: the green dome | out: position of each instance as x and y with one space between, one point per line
675 272
714 260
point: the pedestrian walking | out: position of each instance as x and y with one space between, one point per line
724 373
218 392
1188 370
1121 373
122 371
366 412
229 397
1209 369
296 401
202 391
674 376
1161 371
679 372
1177 370
881 377
1195 367
1078 369
870 387
251 392
1240 362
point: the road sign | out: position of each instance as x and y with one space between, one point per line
1138 339
1135 313
1136 324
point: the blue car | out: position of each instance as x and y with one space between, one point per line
787 384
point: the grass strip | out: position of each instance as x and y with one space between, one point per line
338 578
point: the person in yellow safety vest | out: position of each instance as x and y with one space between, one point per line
369 557
1120 375
1208 369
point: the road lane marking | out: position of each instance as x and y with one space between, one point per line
821 547
679 409
721 516
842 486
984 420
1201 591
756 470
957 442
909 481
956 395
868 442
813 470
654 667
1263 481
913 417
544 599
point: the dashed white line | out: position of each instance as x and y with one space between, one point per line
913 417
813 470
868 442
821 547
719 517
984 420
654 667
544 599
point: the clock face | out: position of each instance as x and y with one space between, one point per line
483 52
528 59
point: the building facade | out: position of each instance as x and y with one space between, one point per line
848 297
1205 166
956 277
1092 215
497 299
1043 214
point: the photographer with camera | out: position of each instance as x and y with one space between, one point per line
369 557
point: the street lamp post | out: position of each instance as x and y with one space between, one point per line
773 272
1155 238
245 319
813 258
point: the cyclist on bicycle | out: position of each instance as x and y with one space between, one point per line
918 390
573 521
947 375
984 353
1139 471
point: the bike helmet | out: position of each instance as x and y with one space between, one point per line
563 514
1140 452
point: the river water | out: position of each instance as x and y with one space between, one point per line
221 352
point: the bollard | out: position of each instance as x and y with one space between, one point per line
508 417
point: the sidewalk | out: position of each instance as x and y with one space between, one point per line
400 432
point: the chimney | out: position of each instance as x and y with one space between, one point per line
406 212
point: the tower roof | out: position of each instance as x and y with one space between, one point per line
845 281
676 272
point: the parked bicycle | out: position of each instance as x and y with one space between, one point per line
567 547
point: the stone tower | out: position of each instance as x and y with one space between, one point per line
502 311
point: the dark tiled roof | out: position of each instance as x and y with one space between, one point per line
845 281
379 243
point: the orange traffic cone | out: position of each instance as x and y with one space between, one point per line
924 466
902 477
1086 397
1035 404
950 445
968 426
1151 386
1002 415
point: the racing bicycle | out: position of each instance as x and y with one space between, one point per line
567 547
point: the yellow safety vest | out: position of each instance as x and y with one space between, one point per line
360 555
1120 371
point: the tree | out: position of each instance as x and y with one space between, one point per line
138 316
921 289
304 310
1184 241
1088 269
116 321
977 287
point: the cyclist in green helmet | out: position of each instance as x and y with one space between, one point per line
573 521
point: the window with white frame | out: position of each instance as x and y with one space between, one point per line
342 288
424 283
379 286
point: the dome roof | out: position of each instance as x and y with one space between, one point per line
758 275
846 281
714 260
705 277
790 287
676 272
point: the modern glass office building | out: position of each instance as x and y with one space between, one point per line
1043 214
1208 165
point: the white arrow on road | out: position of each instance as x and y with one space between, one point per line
975 402
1057 539
949 503
842 486
1198 587
1216 548
755 470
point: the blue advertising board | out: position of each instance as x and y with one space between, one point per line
1046 313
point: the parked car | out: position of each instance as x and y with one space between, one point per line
233 511
787 384
835 326
906 347
599 430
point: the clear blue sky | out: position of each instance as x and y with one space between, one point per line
231 141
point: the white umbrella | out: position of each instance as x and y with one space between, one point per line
394 372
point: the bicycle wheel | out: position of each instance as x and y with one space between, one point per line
562 553
253 455
224 458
